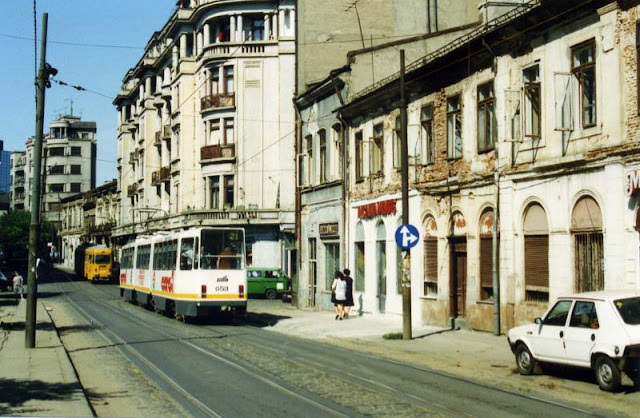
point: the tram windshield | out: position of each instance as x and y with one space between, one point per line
221 249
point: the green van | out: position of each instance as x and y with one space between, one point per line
267 282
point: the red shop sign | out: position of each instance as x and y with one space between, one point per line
378 208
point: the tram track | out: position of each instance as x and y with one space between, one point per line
130 351
354 379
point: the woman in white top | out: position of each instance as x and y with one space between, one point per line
339 293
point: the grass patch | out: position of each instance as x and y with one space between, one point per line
393 336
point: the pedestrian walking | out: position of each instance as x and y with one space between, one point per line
349 292
339 293
17 285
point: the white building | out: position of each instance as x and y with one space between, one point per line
206 126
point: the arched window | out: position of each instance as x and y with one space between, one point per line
486 254
586 228
536 254
430 257
359 254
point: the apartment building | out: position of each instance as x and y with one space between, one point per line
207 127
68 162
522 133
18 196
88 218
68 166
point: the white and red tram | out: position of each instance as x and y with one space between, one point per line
186 273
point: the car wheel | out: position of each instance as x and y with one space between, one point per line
607 374
271 294
524 360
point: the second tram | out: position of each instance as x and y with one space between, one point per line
187 273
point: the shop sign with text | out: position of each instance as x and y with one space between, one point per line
385 207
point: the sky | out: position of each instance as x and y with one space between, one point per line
92 44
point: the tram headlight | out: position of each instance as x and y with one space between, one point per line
241 290
203 291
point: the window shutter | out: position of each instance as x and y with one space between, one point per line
486 261
431 260
536 261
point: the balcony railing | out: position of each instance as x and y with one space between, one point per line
213 101
209 152
160 176
166 132
132 189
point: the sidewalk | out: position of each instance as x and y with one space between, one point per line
38 381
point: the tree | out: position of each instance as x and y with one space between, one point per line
14 236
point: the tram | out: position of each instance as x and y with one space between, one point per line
194 272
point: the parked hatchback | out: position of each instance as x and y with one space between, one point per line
597 330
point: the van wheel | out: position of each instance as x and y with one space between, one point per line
524 360
271 294
607 374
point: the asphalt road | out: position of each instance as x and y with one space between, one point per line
238 369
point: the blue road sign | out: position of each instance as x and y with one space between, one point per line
407 236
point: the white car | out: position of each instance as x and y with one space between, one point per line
597 330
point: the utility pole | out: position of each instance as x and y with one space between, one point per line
404 163
42 83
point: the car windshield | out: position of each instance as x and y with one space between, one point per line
629 310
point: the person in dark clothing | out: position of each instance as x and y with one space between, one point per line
349 294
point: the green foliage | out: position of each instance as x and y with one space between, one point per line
14 233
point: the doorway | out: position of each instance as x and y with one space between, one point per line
458 288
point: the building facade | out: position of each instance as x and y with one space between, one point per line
523 168
323 138
88 218
206 127
19 198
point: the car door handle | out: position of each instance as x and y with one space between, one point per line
561 334
593 337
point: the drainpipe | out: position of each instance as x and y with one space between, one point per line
298 204
344 160
494 247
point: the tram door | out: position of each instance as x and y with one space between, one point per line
458 278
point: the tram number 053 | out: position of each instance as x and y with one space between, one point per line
222 288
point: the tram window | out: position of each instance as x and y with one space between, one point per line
186 254
221 249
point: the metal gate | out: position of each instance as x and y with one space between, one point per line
589 261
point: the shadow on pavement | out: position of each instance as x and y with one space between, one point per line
429 334
20 326
17 392
64 330
260 319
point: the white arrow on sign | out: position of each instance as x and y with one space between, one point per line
407 237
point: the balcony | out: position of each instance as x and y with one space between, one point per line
160 176
132 189
210 152
240 49
214 101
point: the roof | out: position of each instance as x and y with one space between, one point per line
604 294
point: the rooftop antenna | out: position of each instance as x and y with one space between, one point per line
71 106
354 5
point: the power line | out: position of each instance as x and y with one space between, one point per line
26 38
